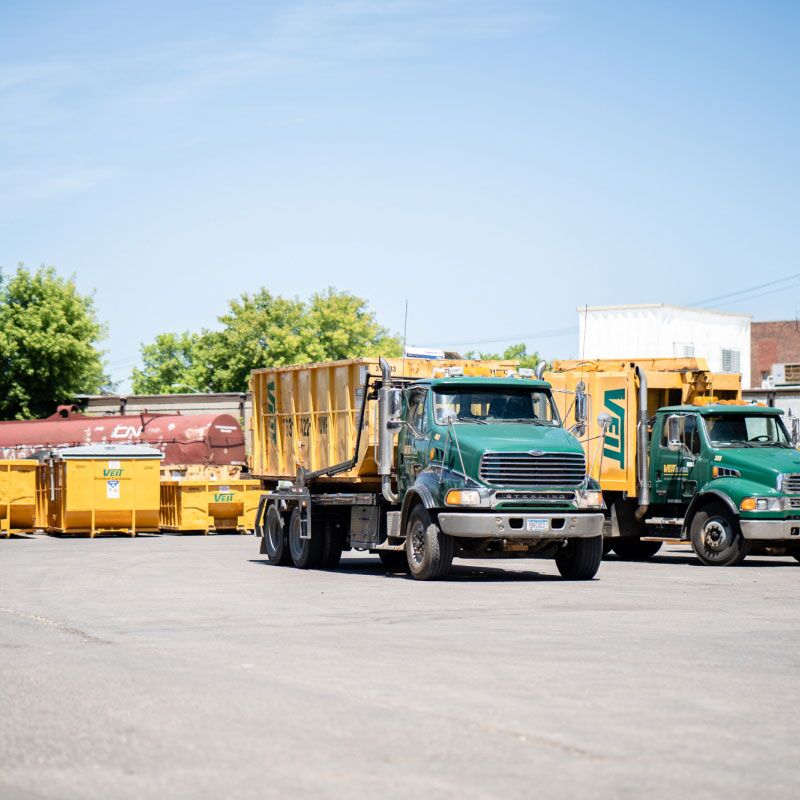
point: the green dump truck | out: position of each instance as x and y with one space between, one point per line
702 466
420 462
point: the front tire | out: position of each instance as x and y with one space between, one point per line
717 538
275 544
429 552
630 548
580 559
306 553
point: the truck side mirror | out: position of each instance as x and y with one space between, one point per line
394 409
604 420
581 408
674 441
794 430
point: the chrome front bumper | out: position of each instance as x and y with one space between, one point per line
499 526
777 530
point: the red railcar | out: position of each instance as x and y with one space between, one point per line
211 439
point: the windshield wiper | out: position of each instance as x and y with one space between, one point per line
527 420
472 419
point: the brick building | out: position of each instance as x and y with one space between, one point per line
773 343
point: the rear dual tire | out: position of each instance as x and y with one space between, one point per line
276 544
306 553
284 545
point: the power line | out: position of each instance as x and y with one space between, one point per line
555 332
746 291
756 296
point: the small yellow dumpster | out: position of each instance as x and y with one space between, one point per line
99 489
17 496
204 506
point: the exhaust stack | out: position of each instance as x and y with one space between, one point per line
385 456
642 447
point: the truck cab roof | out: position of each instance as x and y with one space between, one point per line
503 382
723 408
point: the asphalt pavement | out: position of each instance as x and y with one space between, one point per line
187 667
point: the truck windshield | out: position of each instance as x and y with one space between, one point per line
746 430
533 407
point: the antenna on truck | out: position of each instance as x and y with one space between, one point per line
405 336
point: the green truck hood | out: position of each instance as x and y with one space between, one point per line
475 440
514 437
759 464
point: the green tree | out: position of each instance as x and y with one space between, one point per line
174 362
515 352
260 329
49 335
341 327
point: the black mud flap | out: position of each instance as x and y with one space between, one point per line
258 528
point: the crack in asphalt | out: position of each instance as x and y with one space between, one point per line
54 623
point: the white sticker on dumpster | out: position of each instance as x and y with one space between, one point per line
113 464
112 490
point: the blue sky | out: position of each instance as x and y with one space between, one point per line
496 163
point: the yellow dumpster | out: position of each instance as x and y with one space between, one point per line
99 489
197 505
17 496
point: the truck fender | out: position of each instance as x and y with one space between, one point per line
416 494
700 499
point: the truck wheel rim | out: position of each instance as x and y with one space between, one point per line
418 543
717 536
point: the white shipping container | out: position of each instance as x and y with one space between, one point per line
664 331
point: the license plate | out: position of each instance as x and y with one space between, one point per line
536 525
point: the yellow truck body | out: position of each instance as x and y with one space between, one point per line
205 506
612 387
97 489
306 416
17 496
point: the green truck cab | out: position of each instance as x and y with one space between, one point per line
727 476
484 468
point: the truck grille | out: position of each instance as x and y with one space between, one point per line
526 469
791 484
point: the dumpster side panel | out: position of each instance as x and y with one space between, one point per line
17 496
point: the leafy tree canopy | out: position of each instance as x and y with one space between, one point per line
515 352
49 334
262 330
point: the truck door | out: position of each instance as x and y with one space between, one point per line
412 450
673 471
